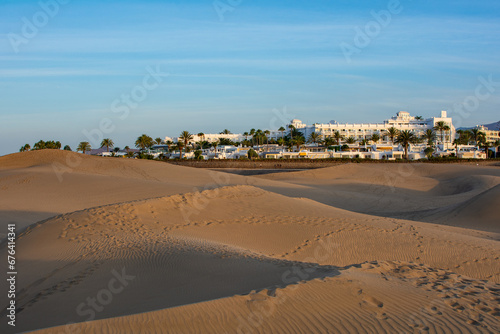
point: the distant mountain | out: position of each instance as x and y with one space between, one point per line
493 126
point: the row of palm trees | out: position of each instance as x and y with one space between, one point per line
295 139
142 142
257 137
85 146
336 138
391 133
404 137
475 136
145 142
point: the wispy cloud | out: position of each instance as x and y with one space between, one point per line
55 72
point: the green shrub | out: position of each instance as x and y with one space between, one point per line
252 154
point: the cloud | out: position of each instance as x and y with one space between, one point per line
53 72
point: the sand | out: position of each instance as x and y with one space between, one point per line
129 246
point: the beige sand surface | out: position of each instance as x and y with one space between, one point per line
128 246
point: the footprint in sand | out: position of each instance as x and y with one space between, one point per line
373 301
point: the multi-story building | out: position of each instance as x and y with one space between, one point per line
491 135
359 131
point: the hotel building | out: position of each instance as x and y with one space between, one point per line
359 131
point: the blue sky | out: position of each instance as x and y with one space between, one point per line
232 73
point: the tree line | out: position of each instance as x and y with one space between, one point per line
290 138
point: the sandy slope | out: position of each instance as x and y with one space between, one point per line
206 252
40 184
376 298
422 192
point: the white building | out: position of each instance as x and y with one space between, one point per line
359 131
168 139
491 135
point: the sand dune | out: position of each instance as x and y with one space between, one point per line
379 297
414 192
40 184
480 212
142 246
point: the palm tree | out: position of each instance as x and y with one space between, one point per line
282 130
298 142
406 138
143 142
201 135
329 141
180 146
186 137
252 134
442 127
364 141
225 132
314 137
486 146
482 138
419 118
267 133
446 130
476 135
158 141
214 145
24 148
375 138
496 144
106 142
392 133
464 137
258 135
169 144
350 140
430 136
84 146
126 148
338 137
291 127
